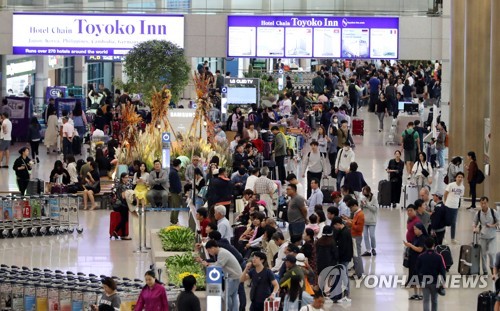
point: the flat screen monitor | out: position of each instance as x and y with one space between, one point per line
410 108
401 105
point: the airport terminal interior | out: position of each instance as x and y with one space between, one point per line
457 34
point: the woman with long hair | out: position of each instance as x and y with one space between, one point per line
199 183
102 162
472 169
296 297
79 119
59 174
122 207
326 250
140 181
333 145
34 138
153 296
51 133
369 206
92 186
453 169
422 171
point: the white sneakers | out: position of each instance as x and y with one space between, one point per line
454 241
345 299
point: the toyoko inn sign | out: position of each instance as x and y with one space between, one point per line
91 34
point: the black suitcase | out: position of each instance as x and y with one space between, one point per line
35 187
445 252
384 193
486 301
327 190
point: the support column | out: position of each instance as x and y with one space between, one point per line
3 77
81 72
457 85
493 180
41 79
477 78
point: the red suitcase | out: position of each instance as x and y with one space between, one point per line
358 127
114 220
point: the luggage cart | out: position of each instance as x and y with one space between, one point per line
97 141
74 217
6 217
392 138
36 214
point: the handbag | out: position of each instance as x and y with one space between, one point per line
425 172
203 192
406 257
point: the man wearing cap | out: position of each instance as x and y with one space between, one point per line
292 179
290 250
438 219
297 211
343 162
309 276
357 223
291 270
344 243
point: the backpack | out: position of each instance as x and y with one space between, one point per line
478 216
446 141
479 177
408 141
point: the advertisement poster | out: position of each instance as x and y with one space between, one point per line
36 209
18 209
7 210
270 42
17 297
67 104
54 92
41 298
19 116
91 34
6 296
65 299
313 36
53 299
53 205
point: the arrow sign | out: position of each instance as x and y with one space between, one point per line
165 137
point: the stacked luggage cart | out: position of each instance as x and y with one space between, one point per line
97 142
37 289
39 215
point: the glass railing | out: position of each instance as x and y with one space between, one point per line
320 7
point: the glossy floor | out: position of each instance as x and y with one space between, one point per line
94 252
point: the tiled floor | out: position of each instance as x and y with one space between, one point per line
93 252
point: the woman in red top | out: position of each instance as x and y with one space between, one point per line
153 296
471 176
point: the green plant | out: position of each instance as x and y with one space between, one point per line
177 239
155 63
179 266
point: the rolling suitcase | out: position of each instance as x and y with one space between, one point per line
384 193
470 258
410 195
327 189
114 220
35 186
358 127
486 301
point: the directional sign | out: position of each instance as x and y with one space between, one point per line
214 275
280 71
223 90
165 137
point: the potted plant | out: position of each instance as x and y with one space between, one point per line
177 239
180 266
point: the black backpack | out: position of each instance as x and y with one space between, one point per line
408 141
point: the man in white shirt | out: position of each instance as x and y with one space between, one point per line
315 198
6 138
345 157
279 239
452 195
287 106
292 179
340 204
223 225
67 130
316 305
252 179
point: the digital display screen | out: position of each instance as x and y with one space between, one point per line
241 95
313 37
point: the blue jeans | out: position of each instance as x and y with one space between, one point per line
232 286
369 237
296 228
198 202
340 175
345 264
453 217
440 157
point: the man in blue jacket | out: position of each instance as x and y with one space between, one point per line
432 273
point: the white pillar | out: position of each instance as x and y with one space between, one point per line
445 52
41 79
118 71
243 64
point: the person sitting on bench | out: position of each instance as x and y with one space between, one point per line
158 182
